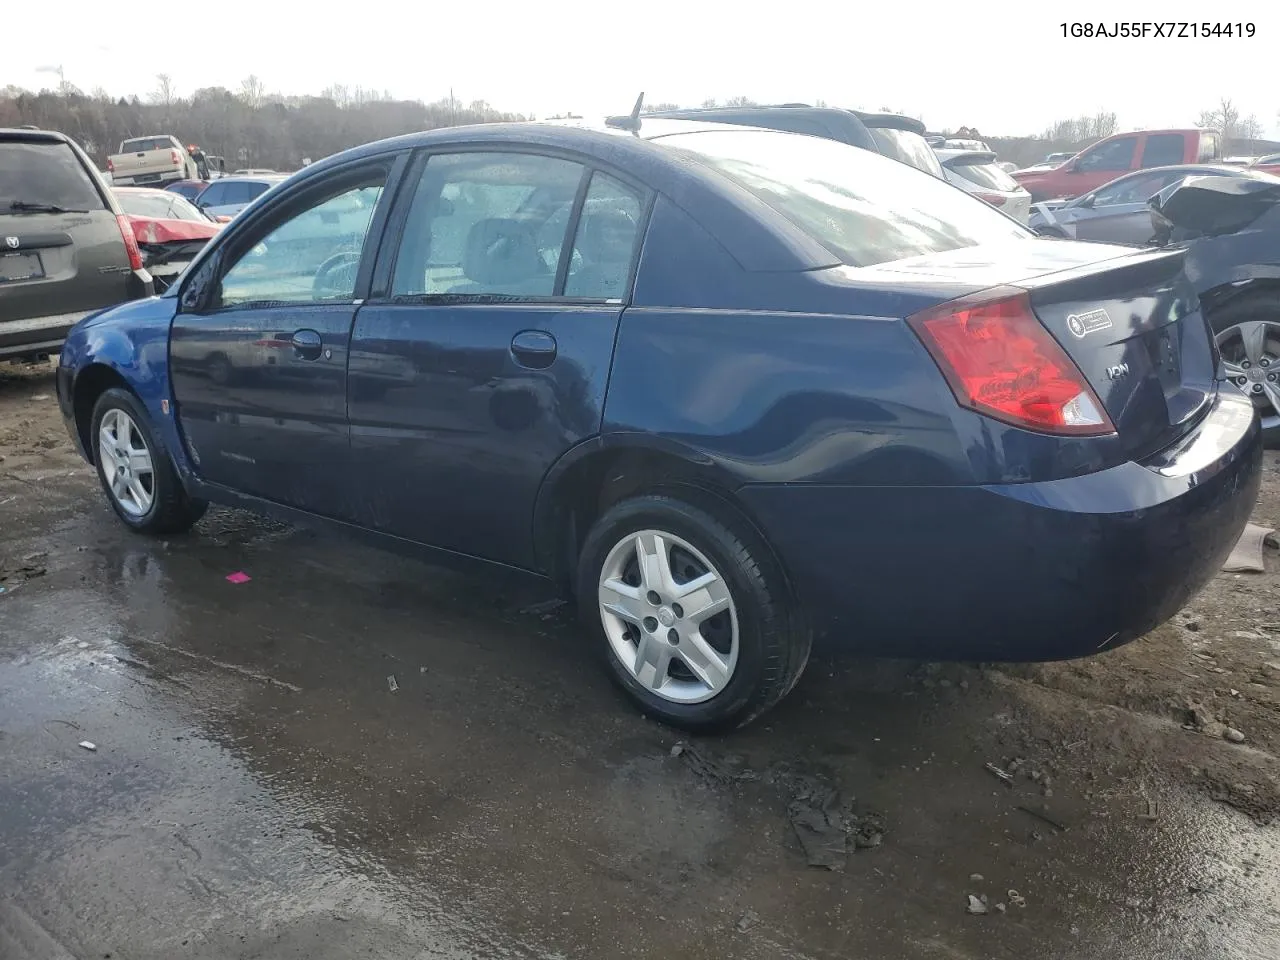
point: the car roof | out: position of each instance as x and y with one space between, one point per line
891 121
263 178
984 156
25 135
144 191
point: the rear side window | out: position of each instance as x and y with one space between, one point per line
1208 148
45 173
1162 150
254 190
862 207
908 147
487 224
605 242
985 175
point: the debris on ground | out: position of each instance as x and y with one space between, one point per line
747 921
1246 556
1234 735
977 905
391 683
546 608
976 877
28 568
1017 899
729 768
89 745
1002 774
1044 817
1001 907
238 577
826 825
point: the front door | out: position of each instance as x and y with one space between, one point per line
1120 213
259 364
489 355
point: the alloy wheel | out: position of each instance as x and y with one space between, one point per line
669 616
125 461
1251 360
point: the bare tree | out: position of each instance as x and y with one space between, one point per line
659 107
165 92
740 102
709 102
252 91
1228 121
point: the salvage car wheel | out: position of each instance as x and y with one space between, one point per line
694 619
1248 335
140 482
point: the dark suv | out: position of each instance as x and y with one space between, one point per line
66 249
901 138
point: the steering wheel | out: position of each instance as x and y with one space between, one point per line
336 276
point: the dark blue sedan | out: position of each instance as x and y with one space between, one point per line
731 388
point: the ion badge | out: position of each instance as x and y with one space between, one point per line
1083 324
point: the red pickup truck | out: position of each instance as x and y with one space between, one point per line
1116 155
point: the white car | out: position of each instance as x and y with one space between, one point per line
978 173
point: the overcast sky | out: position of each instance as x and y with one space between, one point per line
1002 67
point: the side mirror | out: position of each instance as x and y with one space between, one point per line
1087 200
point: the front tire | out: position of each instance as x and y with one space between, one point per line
136 474
690 611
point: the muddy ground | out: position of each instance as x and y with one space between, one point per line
257 789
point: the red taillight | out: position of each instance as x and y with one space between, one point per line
174 157
130 242
111 167
992 198
1000 361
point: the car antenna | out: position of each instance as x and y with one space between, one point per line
630 122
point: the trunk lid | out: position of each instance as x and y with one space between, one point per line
1134 328
1127 317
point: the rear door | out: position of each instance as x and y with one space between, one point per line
487 354
259 362
1119 212
62 253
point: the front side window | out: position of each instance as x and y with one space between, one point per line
863 207
213 195
1136 189
487 224
1113 155
311 257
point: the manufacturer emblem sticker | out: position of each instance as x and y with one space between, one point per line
1083 324
11 243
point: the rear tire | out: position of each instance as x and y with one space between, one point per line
135 471
704 658
1248 333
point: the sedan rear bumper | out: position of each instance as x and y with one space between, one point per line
1029 571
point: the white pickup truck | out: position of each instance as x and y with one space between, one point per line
144 160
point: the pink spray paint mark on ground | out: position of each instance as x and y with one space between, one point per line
238 577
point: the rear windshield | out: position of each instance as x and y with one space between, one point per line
143 144
862 207
45 173
987 175
163 205
908 147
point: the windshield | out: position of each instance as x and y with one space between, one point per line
987 175
45 173
908 147
862 207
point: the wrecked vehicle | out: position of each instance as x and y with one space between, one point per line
724 386
1230 228
169 229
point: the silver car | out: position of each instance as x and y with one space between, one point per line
1117 212
227 196
978 173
